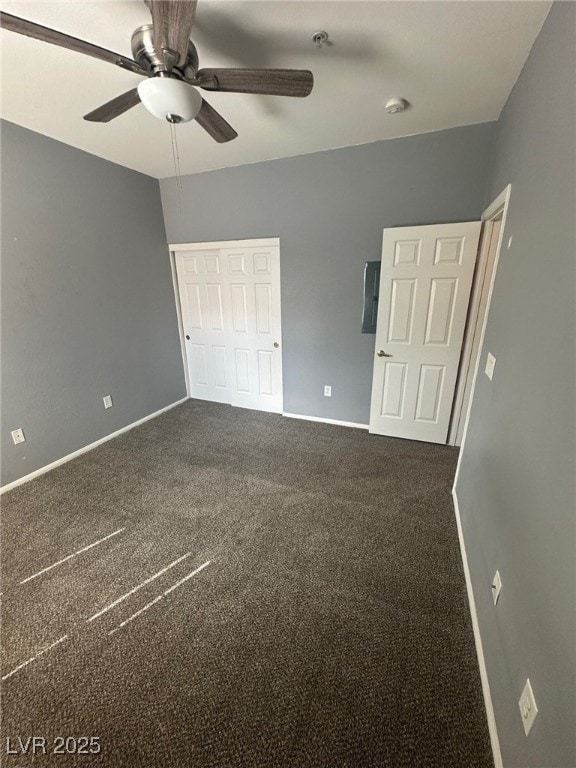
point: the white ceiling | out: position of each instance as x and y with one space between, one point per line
455 62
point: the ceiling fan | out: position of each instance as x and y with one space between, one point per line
165 55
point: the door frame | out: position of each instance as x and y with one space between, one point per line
498 209
176 248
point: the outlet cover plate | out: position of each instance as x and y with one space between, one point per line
107 401
327 390
528 708
18 436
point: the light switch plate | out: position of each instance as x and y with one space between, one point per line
496 587
490 363
107 401
528 708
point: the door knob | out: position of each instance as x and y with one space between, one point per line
276 345
381 353
188 337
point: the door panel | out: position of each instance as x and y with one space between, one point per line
440 311
263 300
193 306
243 377
256 326
429 392
220 367
265 376
230 302
214 293
200 370
402 310
239 312
425 284
393 394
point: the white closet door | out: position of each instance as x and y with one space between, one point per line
425 282
230 303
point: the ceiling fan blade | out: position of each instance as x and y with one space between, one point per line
47 35
275 82
214 124
172 21
114 108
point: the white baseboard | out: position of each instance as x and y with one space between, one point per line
338 423
492 727
80 451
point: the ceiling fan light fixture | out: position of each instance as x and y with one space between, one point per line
170 99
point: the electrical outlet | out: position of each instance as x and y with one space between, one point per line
18 436
490 364
107 401
496 587
327 390
528 708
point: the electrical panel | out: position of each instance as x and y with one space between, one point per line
371 288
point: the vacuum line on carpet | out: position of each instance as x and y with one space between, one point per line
123 597
78 552
29 661
157 599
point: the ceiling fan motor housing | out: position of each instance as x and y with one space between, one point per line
154 60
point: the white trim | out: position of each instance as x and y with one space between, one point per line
207 245
86 448
492 727
337 422
173 269
482 275
466 364
502 201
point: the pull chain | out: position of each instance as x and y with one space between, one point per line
176 160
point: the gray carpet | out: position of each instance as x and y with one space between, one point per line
331 627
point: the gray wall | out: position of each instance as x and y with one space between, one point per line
87 300
516 488
329 210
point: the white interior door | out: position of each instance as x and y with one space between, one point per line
425 282
230 307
